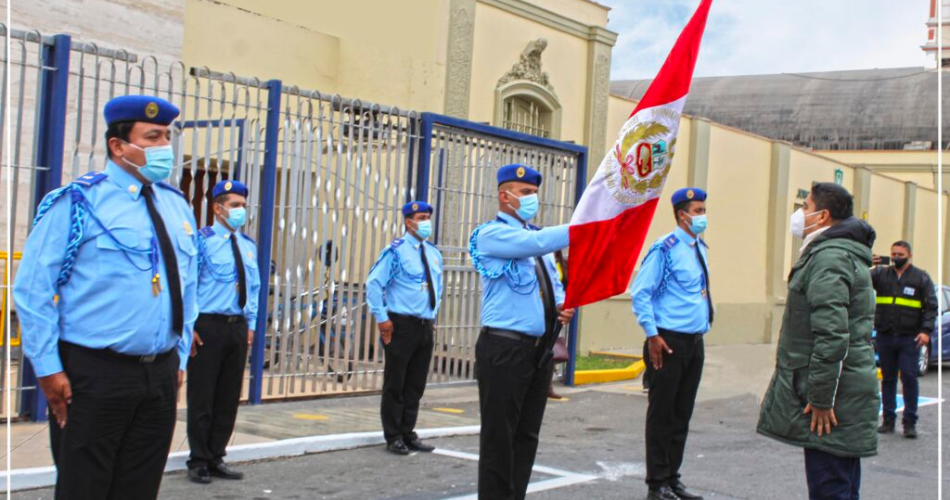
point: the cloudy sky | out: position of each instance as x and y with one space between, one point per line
746 37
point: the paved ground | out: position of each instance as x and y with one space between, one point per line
598 432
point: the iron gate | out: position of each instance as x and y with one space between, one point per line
460 160
327 176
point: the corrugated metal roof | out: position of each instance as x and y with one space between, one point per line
863 109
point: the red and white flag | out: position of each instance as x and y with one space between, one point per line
612 218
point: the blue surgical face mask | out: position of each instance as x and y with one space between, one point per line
528 206
237 216
159 161
423 228
698 224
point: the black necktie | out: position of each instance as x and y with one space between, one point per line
239 264
425 264
547 289
702 263
169 258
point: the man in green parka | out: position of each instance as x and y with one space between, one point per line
824 395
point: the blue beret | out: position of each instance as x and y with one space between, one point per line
414 207
688 194
140 108
225 187
519 173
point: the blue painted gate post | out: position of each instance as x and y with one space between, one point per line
265 238
580 184
50 143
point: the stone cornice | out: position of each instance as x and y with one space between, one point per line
554 20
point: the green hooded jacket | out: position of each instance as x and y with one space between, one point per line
824 354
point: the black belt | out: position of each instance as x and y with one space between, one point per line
693 337
224 318
129 358
406 317
512 335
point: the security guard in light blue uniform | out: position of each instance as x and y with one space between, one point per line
106 296
228 288
673 304
521 303
404 291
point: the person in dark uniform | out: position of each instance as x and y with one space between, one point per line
673 304
228 288
905 317
404 291
105 295
521 302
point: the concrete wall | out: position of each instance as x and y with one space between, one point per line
915 166
754 186
393 56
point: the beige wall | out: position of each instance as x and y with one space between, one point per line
926 232
739 182
738 186
915 166
499 40
886 212
395 56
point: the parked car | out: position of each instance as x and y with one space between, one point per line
928 355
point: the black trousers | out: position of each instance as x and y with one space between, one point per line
512 394
898 354
119 426
831 477
671 399
215 378
408 355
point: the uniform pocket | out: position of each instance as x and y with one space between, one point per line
123 252
187 252
691 281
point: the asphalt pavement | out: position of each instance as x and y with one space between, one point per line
592 448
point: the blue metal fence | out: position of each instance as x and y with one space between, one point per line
356 161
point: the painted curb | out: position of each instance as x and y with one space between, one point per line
601 376
41 477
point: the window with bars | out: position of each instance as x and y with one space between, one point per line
523 114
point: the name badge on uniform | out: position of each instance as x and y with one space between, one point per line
908 290
187 227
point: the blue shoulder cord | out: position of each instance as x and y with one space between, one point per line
395 266
510 271
78 211
667 270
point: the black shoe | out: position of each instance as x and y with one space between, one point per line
662 493
418 445
887 427
398 447
224 472
199 475
679 489
910 431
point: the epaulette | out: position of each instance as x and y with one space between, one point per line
669 242
91 179
169 187
206 231
395 244
248 238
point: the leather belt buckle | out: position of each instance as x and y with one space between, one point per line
147 359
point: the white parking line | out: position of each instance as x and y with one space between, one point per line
564 478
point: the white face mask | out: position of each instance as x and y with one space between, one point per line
797 223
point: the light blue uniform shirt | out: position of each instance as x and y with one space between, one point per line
218 277
108 303
397 281
507 249
669 291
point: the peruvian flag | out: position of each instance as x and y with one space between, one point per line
612 218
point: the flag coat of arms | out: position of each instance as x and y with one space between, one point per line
613 216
